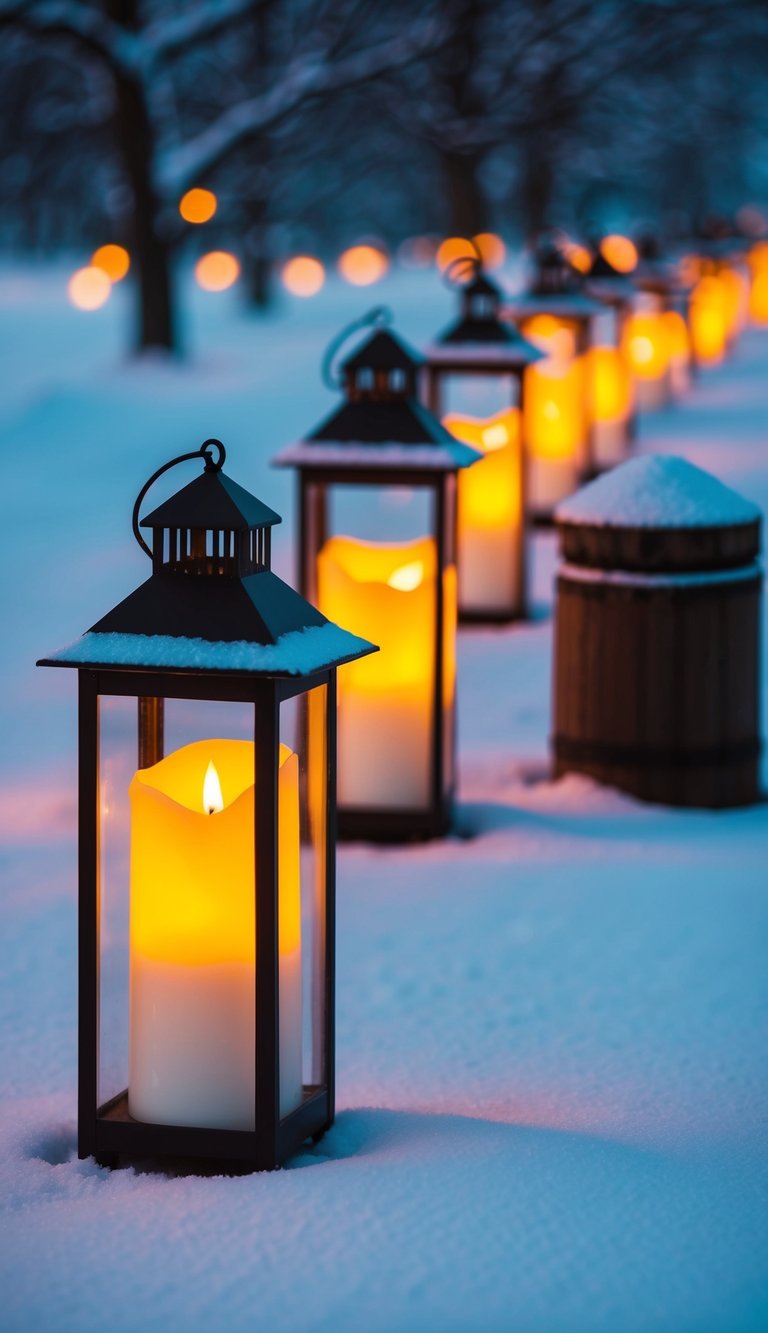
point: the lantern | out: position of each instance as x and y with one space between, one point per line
475 381
610 377
757 259
655 341
556 316
377 534
206 855
720 298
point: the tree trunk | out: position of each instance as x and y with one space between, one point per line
537 185
466 205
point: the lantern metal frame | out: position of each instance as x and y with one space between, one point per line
107 1131
381 437
481 343
556 288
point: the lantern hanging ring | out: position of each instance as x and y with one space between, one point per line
378 315
211 465
463 268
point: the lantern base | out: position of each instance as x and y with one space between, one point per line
510 616
113 1138
393 826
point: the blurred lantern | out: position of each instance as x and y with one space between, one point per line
709 320
475 376
609 372
89 288
556 315
198 205
655 340
217 271
757 260
384 470
206 861
362 265
720 302
303 276
114 260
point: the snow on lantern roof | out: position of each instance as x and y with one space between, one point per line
212 500
296 653
657 491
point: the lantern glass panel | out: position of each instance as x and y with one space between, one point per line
400 513
177 913
302 888
479 396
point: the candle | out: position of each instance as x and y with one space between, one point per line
610 385
386 702
490 513
646 347
555 413
192 937
708 320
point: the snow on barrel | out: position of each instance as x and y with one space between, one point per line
656 674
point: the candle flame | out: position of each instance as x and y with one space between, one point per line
407 577
213 801
495 436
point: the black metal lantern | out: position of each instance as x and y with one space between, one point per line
475 382
207 846
377 537
555 313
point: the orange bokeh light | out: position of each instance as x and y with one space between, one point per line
114 260
89 288
646 344
303 275
453 248
578 256
492 249
363 265
198 205
217 270
620 252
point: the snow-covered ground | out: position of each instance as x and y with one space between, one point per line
552 1031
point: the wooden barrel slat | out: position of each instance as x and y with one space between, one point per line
656 679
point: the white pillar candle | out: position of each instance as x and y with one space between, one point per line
192 938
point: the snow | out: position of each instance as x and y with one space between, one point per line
657 491
294 654
399 457
552 1084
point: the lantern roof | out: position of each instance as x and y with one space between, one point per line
380 425
555 287
213 500
382 351
481 334
212 602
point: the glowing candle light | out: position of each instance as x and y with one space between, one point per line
385 715
709 320
646 347
610 386
490 513
192 937
557 421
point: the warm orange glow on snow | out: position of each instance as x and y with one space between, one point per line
363 265
303 276
217 270
89 288
113 260
198 205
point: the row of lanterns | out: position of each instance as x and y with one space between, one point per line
215 699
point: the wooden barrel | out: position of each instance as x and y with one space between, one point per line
656 679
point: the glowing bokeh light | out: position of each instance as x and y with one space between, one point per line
620 252
303 275
492 249
453 248
578 256
89 288
217 270
646 344
114 260
363 265
198 205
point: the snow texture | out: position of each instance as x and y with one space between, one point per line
552 1081
398 457
297 653
657 491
